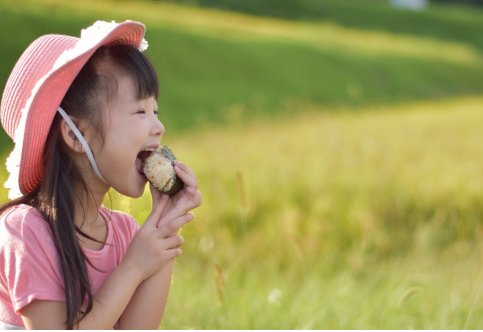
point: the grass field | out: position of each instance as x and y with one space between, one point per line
369 220
340 163
265 67
338 221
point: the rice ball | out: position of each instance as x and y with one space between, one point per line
159 170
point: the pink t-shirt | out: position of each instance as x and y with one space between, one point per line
29 268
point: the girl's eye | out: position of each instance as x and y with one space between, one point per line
144 112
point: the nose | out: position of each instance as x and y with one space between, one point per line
157 127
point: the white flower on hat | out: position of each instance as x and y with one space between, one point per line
90 36
100 29
13 163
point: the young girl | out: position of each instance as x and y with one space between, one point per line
81 111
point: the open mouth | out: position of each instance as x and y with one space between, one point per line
141 158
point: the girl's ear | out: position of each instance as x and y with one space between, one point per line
70 139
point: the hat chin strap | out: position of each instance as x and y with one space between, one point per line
83 142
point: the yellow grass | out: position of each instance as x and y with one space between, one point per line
340 175
360 219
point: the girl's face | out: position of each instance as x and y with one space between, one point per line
132 126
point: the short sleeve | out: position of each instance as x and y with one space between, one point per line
31 270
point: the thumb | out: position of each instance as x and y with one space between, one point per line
156 195
157 211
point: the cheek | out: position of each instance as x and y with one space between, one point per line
116 158
122 143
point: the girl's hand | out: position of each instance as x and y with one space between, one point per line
187 198
153 247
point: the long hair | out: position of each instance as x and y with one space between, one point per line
55 197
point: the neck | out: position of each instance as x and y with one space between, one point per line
89 220
89 204
91 200
88 216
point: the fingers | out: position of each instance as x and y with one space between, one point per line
185 168
156 196
173 253
191 183
157 210
174 225
173 242
185 174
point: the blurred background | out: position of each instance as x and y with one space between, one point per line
338 149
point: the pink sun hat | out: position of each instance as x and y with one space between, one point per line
36 87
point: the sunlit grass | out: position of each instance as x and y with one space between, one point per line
335 221
450 21
419 291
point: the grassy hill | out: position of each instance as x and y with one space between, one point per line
340 165
446 22
219 67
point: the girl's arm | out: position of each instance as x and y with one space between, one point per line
151 249
146 308
108 305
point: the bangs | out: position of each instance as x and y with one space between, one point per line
135 65
142 72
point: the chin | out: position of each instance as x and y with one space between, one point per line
135 194
132 192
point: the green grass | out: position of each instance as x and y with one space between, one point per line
220 68
446 22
